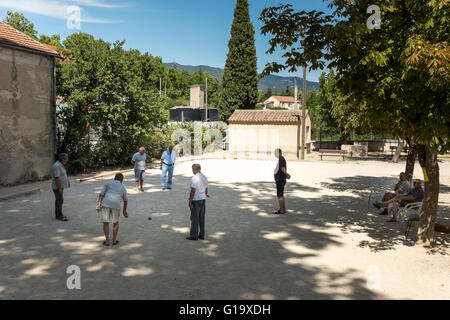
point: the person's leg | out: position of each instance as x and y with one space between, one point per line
387 196
106 232
163 177
115 232
395 206
202 213
280 194
137 178
195 219
59 200
58 208
169 179
282 203
141 178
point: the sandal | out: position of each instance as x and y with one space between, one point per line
278 212
106 244
116 243
65 219
392 220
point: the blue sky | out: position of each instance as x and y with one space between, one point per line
190 32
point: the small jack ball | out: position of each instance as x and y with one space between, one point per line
149 218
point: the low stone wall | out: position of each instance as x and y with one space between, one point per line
372 146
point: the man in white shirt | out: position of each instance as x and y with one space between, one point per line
197 203
167 165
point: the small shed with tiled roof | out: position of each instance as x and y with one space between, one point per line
27 107
260 132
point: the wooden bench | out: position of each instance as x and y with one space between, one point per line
394 148
332 152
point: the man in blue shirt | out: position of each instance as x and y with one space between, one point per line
415 194
60 182
167 165
138 162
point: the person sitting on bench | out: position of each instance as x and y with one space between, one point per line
400 188
414 195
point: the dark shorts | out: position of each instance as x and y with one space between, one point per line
280 188
139 175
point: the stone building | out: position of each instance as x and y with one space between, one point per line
257 133
27 107
280 102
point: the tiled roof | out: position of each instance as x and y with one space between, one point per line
285 99
12 37
265 117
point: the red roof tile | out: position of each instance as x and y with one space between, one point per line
285 99
265 117
12 37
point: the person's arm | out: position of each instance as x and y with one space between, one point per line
125 206
191 198
99 204
162 161
206 191
288 176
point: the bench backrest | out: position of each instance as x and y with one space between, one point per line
332 151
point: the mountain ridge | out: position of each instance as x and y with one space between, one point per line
278 84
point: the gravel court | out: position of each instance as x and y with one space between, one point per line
329 246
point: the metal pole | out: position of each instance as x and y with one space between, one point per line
304 114
295 94
206 114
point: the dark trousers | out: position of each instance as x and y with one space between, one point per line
59 200
198 218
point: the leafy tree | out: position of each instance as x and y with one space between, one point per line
18 21
240 82
397 76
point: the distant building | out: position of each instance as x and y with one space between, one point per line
27 107
260 132
197 110
279 102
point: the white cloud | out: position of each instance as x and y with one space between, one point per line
57 8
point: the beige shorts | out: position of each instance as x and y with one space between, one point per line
110 215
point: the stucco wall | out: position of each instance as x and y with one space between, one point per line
26 116
259 141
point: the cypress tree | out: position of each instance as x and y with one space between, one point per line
240 79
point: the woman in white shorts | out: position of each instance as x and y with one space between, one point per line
109 205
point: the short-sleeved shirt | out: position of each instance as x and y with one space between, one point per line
58 171
200 183
169 158
113 193
403 187
279 175
418 194
139 161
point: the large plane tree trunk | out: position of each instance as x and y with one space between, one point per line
398 152
429 161
411 161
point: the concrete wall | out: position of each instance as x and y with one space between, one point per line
27 140
259 141
197 96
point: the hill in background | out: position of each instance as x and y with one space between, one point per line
277 83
